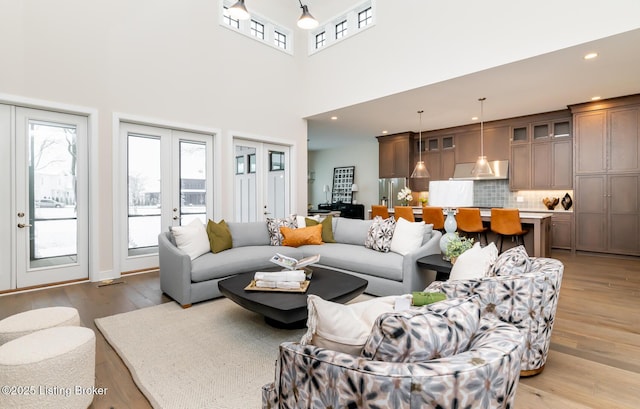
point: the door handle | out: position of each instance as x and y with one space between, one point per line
22 225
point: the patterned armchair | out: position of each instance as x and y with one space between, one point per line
480 371
525 294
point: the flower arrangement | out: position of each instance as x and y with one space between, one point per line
423 201
458 245
404 195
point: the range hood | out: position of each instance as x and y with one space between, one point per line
500 171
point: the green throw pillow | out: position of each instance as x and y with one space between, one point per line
422 298
327 228
219 236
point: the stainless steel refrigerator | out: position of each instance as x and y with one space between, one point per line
388 189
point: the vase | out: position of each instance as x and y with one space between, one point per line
567 202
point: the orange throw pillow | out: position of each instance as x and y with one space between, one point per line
301 236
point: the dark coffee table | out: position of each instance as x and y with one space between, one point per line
289 310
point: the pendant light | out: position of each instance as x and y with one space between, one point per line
306 20
481 167
238 11
420 171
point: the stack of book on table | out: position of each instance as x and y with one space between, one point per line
292 279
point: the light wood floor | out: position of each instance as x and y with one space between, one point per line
594 361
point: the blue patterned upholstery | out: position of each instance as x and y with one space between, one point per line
527 300
484 375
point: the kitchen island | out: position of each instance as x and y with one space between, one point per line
537 240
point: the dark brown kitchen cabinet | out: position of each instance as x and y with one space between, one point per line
439 157
520 167
552 165
395 159
607 213
541 152
562 231
607 166
607 140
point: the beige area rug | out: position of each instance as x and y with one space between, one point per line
214 355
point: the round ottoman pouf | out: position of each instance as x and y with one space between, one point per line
27 322
52 368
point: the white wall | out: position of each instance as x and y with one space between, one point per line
158 59
363 156
416 42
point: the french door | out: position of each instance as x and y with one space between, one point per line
262 185
47 186
167 180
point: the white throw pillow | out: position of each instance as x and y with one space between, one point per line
192 238
474 263
343 327
302 222
407 236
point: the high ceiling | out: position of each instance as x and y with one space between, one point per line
544 83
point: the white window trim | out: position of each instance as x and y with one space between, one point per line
329 27
270 28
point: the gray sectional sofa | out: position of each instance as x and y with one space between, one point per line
188 281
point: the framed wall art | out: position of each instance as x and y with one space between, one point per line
342 182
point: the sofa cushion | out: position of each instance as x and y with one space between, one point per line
249 234
380 234
192 238
474 263
513 261
219 236
343 327
238 260
327 228
273 226
407 236
351 231
434 331
358 258
301 236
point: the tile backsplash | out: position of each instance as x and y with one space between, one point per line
496 193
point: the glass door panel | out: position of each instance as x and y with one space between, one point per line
193 186
143 199
54 225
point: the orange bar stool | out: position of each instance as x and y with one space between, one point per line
379 210
506 222
406 212
433 215
469 221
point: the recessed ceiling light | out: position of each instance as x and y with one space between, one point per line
475 118
590 56
334 118
385 132
596 98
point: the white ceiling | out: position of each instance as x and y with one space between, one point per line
544 83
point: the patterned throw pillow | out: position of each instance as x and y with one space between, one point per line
434 331
273 225
513 261
380 234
